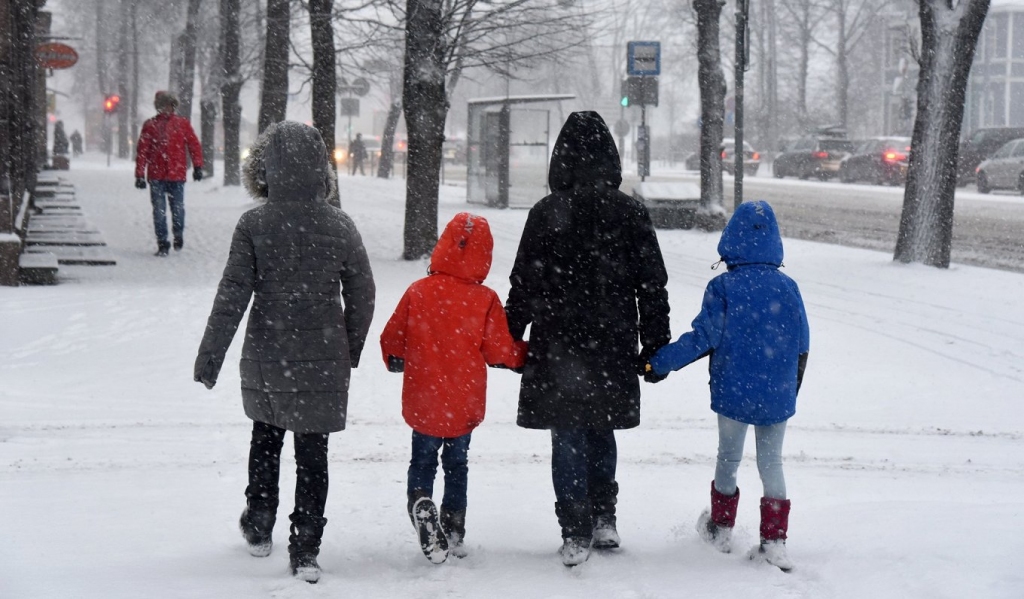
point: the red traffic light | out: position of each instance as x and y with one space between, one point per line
110 103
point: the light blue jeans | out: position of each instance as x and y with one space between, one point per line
768 439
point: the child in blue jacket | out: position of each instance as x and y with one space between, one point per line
753 326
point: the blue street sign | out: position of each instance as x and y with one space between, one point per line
643 59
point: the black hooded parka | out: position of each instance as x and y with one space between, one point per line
589 280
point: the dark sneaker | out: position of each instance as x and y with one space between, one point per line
161 252
574 551
432 539
304 567
605 534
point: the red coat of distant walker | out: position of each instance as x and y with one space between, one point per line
162 146
448 327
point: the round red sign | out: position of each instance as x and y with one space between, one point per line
56 56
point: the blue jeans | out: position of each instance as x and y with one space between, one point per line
454 461
768 439
160 193
582 460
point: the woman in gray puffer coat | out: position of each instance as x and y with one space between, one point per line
303 336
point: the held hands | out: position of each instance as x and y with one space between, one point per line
140 183
652 377
197 174
644 369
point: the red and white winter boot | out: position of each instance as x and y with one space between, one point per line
715 525
774 525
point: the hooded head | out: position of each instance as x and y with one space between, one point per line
289 162
165 100
464 249
752 236
584 154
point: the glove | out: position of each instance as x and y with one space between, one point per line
197 174
140 183
396 364
205 372
652 377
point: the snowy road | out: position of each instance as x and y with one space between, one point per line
120 477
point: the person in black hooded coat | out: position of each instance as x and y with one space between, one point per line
589 280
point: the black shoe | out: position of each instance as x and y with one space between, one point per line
161 248
304 567
178 243
433 542
161 252
257 530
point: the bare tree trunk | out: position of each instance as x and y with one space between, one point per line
274 100
803 69
842 67
133 101
948 40
207 127
426 107
188 60
387 140
712 104
231 87
101 48
123 55
325 83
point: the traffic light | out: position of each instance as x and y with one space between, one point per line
110 103
624 93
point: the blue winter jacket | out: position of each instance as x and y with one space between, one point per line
752 323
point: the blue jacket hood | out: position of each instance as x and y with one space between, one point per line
751 236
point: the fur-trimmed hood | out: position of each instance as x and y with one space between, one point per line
289 162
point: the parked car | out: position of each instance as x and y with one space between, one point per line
812 156
1004 169
882 160
980 145
751 158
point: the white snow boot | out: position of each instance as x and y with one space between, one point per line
774 553
719 537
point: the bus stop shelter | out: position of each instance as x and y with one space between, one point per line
507 149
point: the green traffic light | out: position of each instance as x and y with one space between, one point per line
624 101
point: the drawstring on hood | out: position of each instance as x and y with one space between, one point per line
464 248
751 236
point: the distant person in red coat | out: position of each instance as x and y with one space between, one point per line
160 158
446 330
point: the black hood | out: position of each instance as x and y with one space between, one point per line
584 154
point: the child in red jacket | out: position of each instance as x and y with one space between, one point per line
446 330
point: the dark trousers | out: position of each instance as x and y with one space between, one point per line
454 461
582 463
265 470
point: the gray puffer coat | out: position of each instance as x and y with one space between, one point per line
292 253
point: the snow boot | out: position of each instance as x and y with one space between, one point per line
304 546
433 543
454 526
162 249
602 500
715 525
774 526
577 529
178 243
257 528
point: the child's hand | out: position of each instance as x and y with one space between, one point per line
652 377
396 364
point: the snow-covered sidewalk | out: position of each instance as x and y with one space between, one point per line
121 477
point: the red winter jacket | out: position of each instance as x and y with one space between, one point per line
161 149
448 327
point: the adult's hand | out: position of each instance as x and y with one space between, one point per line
140 183
197 174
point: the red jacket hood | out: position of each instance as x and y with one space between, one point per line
464 249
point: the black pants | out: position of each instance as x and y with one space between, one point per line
265 471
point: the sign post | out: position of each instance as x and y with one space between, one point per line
742 58
643 65
349 105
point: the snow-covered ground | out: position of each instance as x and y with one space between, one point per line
121 477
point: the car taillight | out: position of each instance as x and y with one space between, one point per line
723 153
894 156
756 156
977 169
821 154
